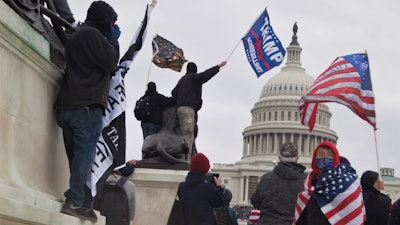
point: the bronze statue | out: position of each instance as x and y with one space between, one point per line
166 149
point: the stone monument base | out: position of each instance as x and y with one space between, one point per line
155 191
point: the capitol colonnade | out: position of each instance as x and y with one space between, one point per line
268 143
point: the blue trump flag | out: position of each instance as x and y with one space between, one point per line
263 48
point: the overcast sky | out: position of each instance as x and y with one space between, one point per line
209 30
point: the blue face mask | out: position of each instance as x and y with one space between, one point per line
324 163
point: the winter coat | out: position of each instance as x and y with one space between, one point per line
395 213
198 198
377 206
158 103
91 60
189 88
277 191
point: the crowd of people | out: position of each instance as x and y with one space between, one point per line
329 194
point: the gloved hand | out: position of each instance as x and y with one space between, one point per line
114 32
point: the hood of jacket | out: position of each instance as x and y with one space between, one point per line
194 178
289 170
101 15
336 159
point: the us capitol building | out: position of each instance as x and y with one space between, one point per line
276 120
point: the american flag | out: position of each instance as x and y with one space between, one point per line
346 81
338 194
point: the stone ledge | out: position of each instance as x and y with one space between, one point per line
24 206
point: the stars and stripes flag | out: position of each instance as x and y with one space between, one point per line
337 193
263 49
110 149
166 54
347 81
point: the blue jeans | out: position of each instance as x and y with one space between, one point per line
149 129
81 131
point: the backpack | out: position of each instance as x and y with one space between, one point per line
113 203
222 215
143 108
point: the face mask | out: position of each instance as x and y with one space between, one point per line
324 163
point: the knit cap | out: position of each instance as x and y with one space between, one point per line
199 163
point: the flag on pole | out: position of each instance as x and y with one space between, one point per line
110 149
166 54
263 48
337 193
347 81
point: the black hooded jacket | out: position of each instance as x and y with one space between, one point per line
199 197
158 103
377 205
188 91
91 60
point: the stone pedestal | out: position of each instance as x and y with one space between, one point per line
155 191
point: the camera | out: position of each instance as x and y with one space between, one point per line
210 177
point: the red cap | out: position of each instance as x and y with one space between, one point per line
199 163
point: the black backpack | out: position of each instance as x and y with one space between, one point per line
143 108
222 215
112 202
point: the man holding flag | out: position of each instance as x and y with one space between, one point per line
82 100
188 100
110 150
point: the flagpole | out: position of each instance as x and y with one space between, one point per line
377 155
233 49
241 39
148 74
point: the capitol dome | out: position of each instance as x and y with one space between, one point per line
276 117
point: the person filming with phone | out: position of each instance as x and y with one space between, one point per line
198 195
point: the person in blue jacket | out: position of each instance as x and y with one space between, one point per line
198 195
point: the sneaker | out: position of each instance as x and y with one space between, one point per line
92 215
74 210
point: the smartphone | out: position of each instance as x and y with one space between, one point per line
211 176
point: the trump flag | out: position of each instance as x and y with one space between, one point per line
347 81
263 48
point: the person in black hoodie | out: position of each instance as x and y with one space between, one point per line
198 195
91 54
188 100
158 103
377 205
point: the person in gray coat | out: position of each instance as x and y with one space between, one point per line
277 191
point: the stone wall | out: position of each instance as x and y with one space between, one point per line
34 169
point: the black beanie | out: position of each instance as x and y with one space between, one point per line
191 68
100 15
